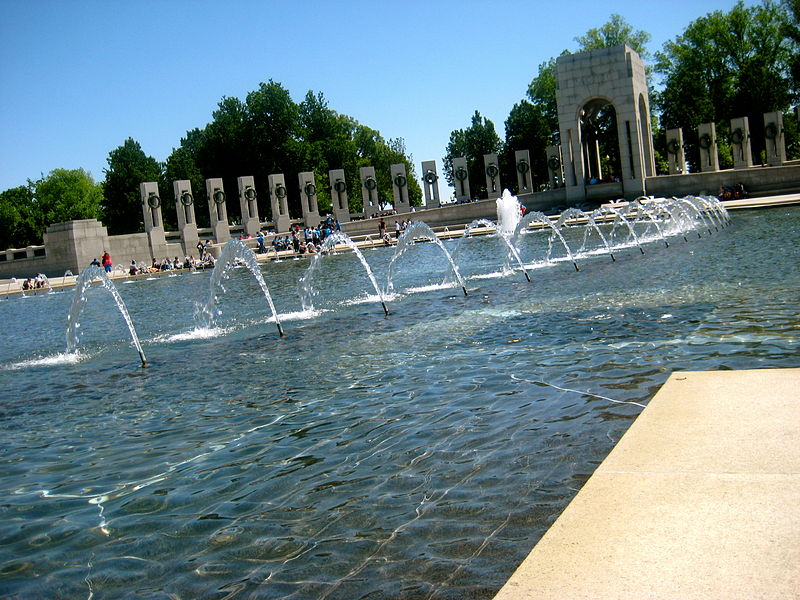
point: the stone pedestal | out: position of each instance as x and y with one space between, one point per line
490 166
461 179
369 191
555 167
184 207
249 204
308 198
675 153
707 142
73 245
740 143
278 197
400 188
217 210
430 184
153 223
522 165
339 201
775 139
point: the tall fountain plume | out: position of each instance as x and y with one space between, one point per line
509 212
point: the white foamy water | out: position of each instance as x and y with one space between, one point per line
62 358
300 315
429 288
492 275
198 333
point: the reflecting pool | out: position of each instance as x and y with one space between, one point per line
416 455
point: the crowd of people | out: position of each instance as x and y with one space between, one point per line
737 192
171 264
35 283
301 241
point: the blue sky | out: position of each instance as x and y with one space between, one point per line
78 78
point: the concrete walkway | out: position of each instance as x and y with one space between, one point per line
699 499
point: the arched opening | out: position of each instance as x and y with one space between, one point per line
644 138
600 140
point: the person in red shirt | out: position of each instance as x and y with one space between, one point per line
106 261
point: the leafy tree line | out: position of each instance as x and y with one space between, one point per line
743 62
725 65
263 134
62 195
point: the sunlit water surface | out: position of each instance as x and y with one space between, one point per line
416 456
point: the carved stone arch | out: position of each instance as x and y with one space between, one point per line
599 136
614 75
646 137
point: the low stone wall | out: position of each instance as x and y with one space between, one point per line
72 245
754 179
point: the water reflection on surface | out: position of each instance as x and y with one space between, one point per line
415 456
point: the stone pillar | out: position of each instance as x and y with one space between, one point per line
369 191
675 154
400 188
461 179
430 184
775 138
555 167
339 201
279 202
308 198
248 204
217 210
522 160
493 188
153 223
707 141
72 245
184 207
740 143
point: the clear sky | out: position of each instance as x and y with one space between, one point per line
79 77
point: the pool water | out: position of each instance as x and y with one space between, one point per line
419 455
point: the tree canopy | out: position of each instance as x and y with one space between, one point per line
269 133
472 143
743 62
128 166
62 195
727 65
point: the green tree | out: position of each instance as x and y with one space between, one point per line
62 195
527 128
16 229
791 30
65 195
615 32
726 65
128 167
472 143
542 94
269 133
327 144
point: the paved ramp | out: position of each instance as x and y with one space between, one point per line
699 499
